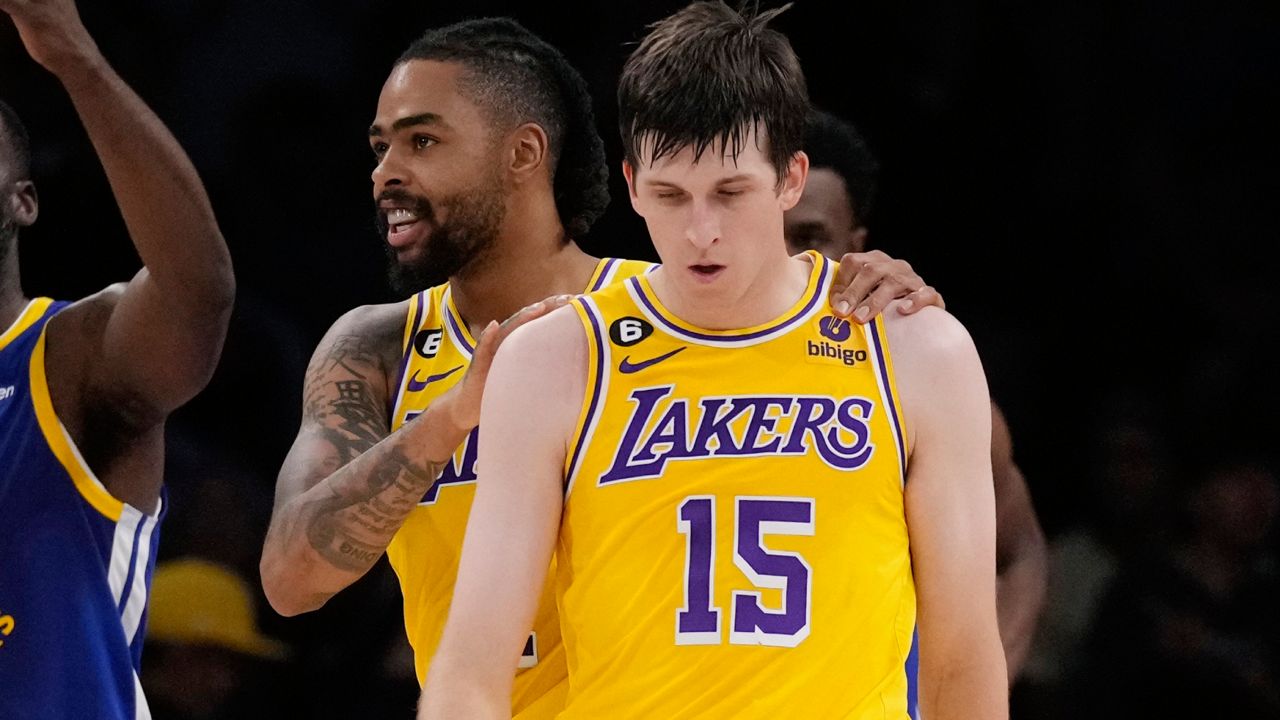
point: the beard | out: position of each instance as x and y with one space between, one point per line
474 218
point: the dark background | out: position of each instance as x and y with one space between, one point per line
1091 185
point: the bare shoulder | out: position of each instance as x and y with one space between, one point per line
86 318
544 364
555 345
929 333
938 373
374 334
559 326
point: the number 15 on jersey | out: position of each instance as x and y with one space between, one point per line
698 621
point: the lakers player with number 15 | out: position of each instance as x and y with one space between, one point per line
745 527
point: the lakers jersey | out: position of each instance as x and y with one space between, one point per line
734 542
75 563
426 550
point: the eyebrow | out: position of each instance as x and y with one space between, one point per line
727 181
411 121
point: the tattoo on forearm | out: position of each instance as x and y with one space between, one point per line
352 527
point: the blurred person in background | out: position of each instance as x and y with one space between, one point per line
488 169
831 217
206 658
1193 632
86 388
1126 523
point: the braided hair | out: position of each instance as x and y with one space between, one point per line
517 77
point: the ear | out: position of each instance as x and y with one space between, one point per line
530 150
23 203
629 173
793 182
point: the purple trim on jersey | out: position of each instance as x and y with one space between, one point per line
777 328
595 391
408 347
883 369
912 669
133 565
458 331
604 274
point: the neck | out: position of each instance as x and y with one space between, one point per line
780 283
11 298
529 261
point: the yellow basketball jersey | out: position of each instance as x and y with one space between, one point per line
425 552
734 543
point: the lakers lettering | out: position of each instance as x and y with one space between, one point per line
662 428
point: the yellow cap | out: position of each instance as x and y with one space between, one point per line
196 602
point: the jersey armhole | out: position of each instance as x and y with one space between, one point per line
878 343
60 442
595 388
413 320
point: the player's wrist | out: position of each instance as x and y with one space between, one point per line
449 427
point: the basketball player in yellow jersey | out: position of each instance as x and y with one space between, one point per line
438 349
488 168
754 501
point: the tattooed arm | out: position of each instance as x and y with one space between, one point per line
348 483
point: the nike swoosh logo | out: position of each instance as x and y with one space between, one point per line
415 384
626 367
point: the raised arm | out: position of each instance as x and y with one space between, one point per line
950 516
1022 564
348 483
154 345
533 399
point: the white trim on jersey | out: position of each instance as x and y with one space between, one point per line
604 359
122 551
132 615
424 307
877 361
142 711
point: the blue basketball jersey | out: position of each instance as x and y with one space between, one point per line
75 563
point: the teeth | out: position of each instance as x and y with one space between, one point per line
400 216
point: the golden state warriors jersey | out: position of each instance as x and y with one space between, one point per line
734 541
426 550
75 562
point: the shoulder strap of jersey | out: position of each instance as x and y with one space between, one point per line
33 313
597 385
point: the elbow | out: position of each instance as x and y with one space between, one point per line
211 283
287 592
219 289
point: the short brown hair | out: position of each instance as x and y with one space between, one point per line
710 74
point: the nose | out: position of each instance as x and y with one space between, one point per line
703 230
389 172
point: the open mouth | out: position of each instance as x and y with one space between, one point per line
404 227
706 271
